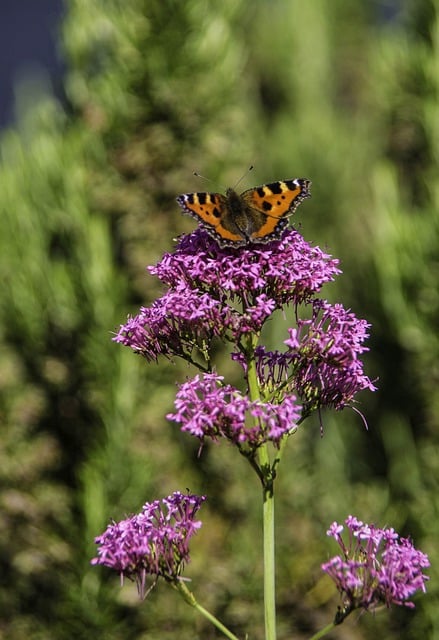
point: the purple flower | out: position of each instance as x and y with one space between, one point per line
286 270
376 567
321 363
325 350
206 408
223 292
154 542
229 293
175 324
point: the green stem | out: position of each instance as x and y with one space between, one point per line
269 564
190 599
216 622
252 376
323 631
267 479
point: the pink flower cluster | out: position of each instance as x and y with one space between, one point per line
208 408
375 567
154 542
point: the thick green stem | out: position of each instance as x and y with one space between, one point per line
269 565
268 503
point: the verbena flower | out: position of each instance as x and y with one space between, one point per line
376 567
207 408
154 542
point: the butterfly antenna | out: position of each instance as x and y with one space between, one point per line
251 167
202 177
207 179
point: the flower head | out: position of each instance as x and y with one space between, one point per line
175 324
286 270
376 567
154 542
228 292
321 362
207 408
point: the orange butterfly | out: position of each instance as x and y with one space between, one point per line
257 215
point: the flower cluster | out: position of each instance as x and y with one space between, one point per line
230 293
224 292
182 320
328 371
154 542
376 567
208 408
288 270
322 360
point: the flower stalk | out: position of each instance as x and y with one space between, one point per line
269 562
189 597
267 478
323 632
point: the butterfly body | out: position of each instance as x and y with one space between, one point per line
258 215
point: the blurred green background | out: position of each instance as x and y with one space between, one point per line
345 93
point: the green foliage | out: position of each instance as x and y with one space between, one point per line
329 91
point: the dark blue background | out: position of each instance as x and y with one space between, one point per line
28 40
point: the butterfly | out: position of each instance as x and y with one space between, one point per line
256 215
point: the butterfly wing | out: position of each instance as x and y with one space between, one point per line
212 211
277 201
257 215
